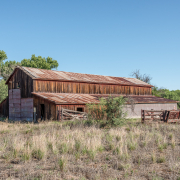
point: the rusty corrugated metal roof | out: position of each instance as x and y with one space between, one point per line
70 98
44 74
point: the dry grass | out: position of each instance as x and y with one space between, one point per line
54 150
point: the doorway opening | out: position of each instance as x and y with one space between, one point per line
80 109
42 112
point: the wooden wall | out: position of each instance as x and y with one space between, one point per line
85 88
24 82
4 108
50 108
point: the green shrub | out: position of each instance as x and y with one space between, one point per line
109 109
114 110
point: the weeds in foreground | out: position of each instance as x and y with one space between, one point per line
62 163
92 152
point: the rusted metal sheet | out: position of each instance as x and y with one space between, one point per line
70 98
43 74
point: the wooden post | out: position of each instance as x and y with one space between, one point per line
61 113
165 116
179 115
34 120
152 114
142 116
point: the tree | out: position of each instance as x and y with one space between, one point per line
40 62
3 90
165 93
3 56
146 78
7 68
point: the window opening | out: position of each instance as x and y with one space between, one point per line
80 109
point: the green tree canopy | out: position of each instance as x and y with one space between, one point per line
3 90
165 93
7 68
40 62
3 56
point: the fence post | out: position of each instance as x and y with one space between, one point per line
142 116
152 114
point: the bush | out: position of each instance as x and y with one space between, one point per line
109 109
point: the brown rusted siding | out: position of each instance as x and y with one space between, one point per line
85 88
4 108
50 108
24 82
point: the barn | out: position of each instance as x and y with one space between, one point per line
42 94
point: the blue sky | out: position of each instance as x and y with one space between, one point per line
102 37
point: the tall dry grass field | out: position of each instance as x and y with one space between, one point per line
54 150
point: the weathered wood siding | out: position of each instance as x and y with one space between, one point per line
50 108
4 108
24 82
86 88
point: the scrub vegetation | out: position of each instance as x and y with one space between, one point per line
84 150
